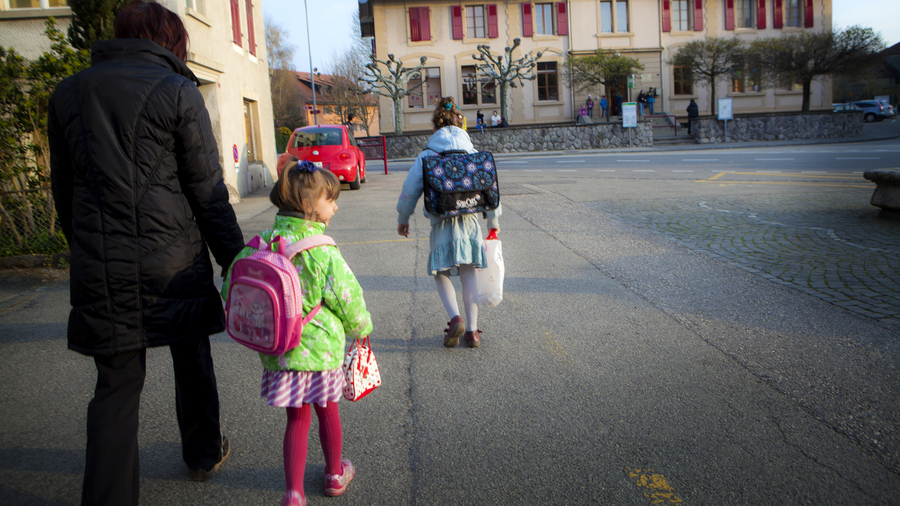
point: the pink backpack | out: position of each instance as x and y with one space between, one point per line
265 300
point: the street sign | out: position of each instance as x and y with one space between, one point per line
309 108
317 111
631 82
725 111
236 157
629 114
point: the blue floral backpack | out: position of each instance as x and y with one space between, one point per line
458 183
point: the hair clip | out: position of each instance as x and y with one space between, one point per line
307 166
448 106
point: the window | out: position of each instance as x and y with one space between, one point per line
737 75
682 81
621 16
606 23
197 5
608 14
793 13
37 4
475 22
790 86
744 13
236 23
680 20
419 24
477 89
251 30
425 95
250 128
543 19
547 82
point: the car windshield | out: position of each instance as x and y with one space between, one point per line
318 137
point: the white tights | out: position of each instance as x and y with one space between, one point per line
470 294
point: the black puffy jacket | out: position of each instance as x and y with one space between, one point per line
140 194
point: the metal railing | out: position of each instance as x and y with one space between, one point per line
29 223
674 121
374 148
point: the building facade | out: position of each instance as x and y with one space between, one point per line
651 31
227 53
333 107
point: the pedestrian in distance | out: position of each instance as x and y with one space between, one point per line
456 243
479 116
349 122
583 111
495 119
617 103
642 100
603 105
651 98
693 112
311 374
590 106
142 201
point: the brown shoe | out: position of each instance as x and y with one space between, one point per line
473 339
203 474
454 330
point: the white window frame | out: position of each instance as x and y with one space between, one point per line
197 5
679 23
541 7
739 17
614 24
475 17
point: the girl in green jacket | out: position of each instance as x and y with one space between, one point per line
311 373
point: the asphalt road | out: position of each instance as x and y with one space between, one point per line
647 351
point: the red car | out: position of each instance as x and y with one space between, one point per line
330 147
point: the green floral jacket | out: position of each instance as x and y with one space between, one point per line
325 277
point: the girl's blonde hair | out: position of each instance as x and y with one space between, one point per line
445 114
299 188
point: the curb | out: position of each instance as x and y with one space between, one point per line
56 261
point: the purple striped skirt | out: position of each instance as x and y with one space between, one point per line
296 388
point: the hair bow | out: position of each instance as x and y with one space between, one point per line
448 106
307 166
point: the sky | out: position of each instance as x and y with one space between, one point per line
330 24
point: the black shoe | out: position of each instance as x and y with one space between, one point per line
203 475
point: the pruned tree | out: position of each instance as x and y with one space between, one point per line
394 84
604 67
505 71
348 92
286 103
708 60
92 20
805 57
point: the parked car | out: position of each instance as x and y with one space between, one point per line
874 110
845 107
330 147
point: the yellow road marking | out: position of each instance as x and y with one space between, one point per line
655 486
787 183
386 240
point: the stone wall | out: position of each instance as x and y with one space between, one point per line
781 127
537 138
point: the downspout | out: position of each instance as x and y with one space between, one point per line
568 55
660 32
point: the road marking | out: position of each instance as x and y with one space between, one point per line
654 486
566 170
857 158
531 170
643 170
385 240
510 161
772 159
605 170
570 161
699 159
770 171
813 172
715 179
630 161
682 171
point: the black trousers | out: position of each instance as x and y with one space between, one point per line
111 475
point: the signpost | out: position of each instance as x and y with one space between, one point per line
237 159
725 113
629 118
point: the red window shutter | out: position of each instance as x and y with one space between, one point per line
562 20
251 33
456 12
666 15
527 30
777 15
493 32
729 14
236 23
698 15
415 34
808 11
425 23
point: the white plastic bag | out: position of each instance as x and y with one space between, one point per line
490 279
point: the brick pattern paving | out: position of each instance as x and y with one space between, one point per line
830 245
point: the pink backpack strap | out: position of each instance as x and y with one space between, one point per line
257 243
307 243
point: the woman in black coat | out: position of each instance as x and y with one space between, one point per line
140 196
693 112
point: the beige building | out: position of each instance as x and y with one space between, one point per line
448 32
227 53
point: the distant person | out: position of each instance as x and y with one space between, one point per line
651 99
479 116
311 375
583 111
349 122
617 103
642 100
693 113
456 243
140 195
495 119
589 103
603 106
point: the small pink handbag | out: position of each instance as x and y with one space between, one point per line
360 371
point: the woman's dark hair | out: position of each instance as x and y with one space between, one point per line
149 20
445 114
299 190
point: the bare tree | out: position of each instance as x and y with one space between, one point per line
286 102
393 85
505 73
605 67
349 94
708 60
804 57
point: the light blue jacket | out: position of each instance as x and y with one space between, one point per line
446 139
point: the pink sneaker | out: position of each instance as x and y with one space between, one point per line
335 484
293 498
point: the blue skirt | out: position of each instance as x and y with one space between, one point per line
456 241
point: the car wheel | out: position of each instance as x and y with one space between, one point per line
354 185
363 180
870 117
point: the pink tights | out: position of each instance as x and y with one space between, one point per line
295 441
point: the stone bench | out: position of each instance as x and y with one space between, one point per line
887 191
